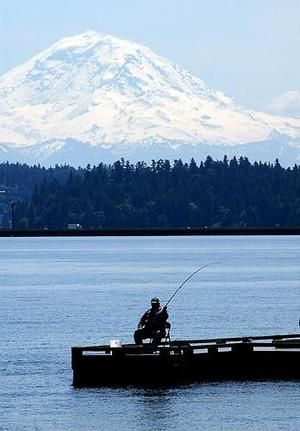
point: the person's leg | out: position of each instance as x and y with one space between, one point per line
141 334
158 336
138 336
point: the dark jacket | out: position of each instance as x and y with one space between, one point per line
154 319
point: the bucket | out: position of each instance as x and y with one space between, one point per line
115 343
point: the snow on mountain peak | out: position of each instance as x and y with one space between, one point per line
105 91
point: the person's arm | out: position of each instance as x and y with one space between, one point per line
165 313
143 320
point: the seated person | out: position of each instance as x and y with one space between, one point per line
152 324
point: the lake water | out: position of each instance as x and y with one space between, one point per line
59 292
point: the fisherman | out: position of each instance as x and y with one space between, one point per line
153 324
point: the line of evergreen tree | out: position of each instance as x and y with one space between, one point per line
18 181
228 193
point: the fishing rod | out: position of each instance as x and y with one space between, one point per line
187 279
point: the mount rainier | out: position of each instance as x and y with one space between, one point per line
93 97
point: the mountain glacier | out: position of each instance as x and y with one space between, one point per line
93 97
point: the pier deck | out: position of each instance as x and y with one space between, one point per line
258 357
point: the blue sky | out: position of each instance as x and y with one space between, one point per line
247 48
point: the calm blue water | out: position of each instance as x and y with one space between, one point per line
59 292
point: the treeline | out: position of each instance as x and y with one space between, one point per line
21 178
18 181
228 193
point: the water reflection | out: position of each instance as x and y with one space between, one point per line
155 408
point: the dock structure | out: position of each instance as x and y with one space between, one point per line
272 357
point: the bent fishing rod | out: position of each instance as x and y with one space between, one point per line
187 279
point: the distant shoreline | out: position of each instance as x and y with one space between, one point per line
149 232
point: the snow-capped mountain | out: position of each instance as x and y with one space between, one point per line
94 96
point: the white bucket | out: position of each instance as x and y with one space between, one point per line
115 343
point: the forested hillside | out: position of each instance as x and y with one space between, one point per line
213 193
18 181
